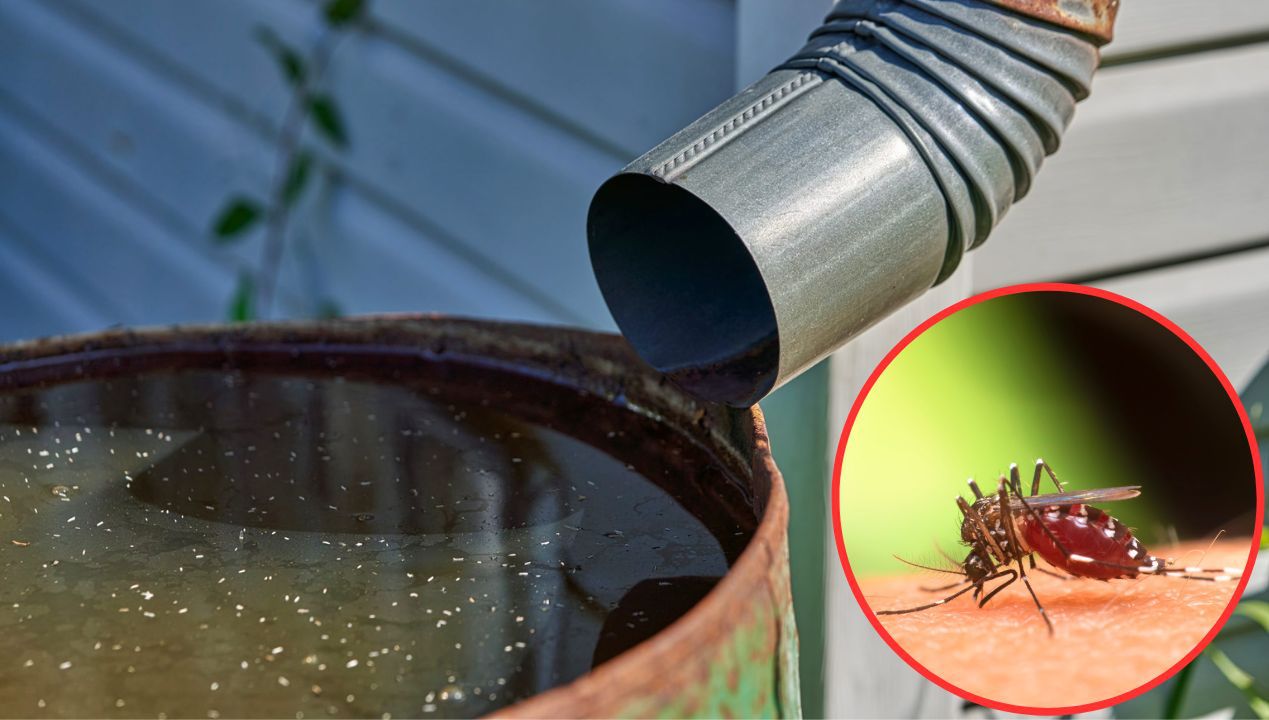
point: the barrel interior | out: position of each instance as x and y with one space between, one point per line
351 518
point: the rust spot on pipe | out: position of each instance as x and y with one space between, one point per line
1095 18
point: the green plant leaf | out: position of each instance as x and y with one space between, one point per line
341 12
289 60
237 217
1257 610
1264 539
1241 680
328 119
242 305
296 177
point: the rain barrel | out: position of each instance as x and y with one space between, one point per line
404 515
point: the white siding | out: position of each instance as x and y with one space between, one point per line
1165 161
1162 26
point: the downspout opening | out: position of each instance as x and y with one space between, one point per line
684 288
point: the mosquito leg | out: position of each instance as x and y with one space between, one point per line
1006 520
1014 482
947 599
1013 575
1035 483
1204 578
1035 479
1003 502
1192 573
1026 581
1006 514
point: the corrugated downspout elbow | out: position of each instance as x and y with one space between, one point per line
842 185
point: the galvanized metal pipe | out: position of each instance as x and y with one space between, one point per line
850 180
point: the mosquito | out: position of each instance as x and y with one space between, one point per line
1008 528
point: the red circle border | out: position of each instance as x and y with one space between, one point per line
835 491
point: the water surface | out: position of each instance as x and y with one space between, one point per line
201 542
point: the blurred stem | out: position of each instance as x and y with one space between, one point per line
1176 698
288 145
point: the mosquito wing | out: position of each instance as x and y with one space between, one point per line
1096 495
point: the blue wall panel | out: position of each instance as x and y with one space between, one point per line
478 133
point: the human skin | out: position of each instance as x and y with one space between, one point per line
1110 637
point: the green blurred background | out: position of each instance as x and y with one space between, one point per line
1103 393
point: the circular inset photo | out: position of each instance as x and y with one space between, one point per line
1047 499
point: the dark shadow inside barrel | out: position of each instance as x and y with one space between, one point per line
684 289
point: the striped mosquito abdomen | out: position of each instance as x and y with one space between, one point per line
1098 546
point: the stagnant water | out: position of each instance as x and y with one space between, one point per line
189 542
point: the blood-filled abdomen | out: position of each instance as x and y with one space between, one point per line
1097 545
